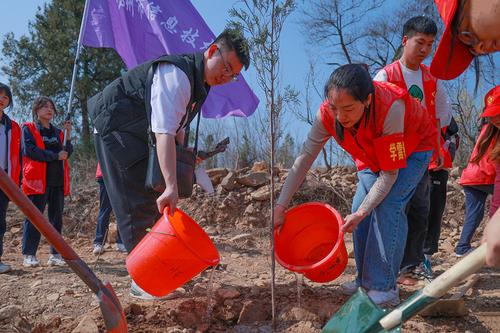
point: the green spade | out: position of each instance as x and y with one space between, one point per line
360 315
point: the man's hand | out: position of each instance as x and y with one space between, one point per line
439 161
279 216
169 199
351 221
491 236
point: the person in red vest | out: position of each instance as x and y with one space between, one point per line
45 175
10 142
387 134
472 28
478 178
105 210
411 74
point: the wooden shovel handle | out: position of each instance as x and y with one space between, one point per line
458 272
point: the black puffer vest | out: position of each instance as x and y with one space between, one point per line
121 106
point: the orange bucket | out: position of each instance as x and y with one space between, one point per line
311 242
172 253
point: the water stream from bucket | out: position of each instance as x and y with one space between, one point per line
299 278
210 297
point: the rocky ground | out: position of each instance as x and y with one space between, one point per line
48 299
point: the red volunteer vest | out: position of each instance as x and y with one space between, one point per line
98 171
395 75
368 147
14 169
482 173
35 172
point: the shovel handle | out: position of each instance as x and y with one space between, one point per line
437 288
458 272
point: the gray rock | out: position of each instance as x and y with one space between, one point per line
255 179
229 181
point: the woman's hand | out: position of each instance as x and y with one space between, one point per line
67 127
279 216
351 221
63 155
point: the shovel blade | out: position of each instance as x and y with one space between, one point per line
358 315
112 312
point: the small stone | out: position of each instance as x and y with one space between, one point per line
86 325
9 311
227 293
35 284
253 312
241 237
53 297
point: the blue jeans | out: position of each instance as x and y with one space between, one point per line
103 216
474 212
54 198
379 240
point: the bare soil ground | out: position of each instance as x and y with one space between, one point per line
53 299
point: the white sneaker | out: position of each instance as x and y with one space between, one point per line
349 288
120 247
138 292
56 260
4 268
98 249
30 261
385 298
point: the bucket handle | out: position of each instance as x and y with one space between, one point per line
158 232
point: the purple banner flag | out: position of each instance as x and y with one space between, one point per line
142 30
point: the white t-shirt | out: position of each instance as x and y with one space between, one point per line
170 94
413 80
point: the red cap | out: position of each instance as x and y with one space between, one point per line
492 103
450 60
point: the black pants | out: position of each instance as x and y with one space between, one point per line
438 181
417 213
54 199
4 203
134 207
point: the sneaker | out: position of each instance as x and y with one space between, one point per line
426 267
4 268
120 247
349 288
460 255
30 261
98 249
56 260
138 292
385 298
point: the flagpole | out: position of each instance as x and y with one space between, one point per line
75 67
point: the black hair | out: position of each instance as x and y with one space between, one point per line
6 90
419 24
233 40
356 80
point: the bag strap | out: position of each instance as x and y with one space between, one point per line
147 102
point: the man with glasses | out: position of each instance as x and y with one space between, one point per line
177 85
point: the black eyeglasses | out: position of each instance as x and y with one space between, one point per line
227 70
